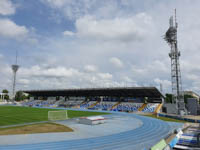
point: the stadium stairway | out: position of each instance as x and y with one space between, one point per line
91 106
79 106
142 107
157 110
59 102
84 102
143 137
115 105
187 141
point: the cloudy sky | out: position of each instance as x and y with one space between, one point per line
96 43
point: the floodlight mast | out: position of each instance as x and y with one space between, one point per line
171 39
15 68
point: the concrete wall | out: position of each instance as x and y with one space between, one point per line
192 106
31 98
170 108
51 98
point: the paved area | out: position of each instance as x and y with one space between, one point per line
114 124
122 131
193 117
186 116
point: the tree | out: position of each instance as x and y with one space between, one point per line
6 96
168 98
20 96
5 91
186 96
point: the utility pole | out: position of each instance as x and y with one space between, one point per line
15 68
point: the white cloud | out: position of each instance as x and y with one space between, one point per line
105 76
159 66
48 72
23 81
61 77
116 62
90 68
6 7
68 33
193 77
117 29
73 9
57 3
129 81
69 8
166 85
9 29
190 66
139 71
6 75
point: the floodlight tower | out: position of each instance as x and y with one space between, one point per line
15 68
171 39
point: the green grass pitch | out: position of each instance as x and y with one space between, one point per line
11 115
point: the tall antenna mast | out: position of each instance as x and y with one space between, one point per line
171 39
15 68
16 57
161 88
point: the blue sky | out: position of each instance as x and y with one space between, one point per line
38 15
93 43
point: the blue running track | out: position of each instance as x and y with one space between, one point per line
148 134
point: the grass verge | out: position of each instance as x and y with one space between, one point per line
35 128
164 118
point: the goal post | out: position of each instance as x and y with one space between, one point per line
57 115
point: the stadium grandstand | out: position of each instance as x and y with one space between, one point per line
116 129
128 99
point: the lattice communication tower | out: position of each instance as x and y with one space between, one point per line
171 39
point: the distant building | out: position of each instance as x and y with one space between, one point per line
193 94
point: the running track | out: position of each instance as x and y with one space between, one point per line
143 137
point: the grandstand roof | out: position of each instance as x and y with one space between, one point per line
150 92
